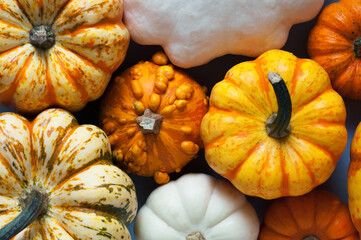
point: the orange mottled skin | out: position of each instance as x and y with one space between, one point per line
166 91
332 44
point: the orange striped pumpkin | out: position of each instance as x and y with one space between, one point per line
58 53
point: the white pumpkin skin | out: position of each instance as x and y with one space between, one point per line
90 43
194 32
196 203
88 197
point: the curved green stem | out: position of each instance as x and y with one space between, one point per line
35 203
278 124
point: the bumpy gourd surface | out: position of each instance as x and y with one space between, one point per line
234 133
88 197
166 91
90 43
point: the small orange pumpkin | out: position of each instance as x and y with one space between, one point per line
152 114
318 215
335 44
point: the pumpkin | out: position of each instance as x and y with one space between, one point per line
354 179
271 137
335 44
58 53
152 114
57 181
196 207
193 33
318 215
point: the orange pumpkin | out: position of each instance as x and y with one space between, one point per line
335 44
354 179
273 143
318 215
152 114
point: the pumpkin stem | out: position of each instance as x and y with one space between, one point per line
42 37
357 48
278 124
310 237
150 122
35 203
195 236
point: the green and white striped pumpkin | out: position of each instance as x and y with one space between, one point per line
57 181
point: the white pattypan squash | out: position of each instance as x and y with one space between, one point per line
194 32
196 207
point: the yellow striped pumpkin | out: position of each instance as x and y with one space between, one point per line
57 176
275 137
58 53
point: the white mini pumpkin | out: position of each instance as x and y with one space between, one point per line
194 32
196 207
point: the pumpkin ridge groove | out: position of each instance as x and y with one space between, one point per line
333 217
326 151
231 81
23 11
59 11
295 111
312 175
62 226
51 162
11 91
265 82
235 171
71 80
340 32
219 109
12 170
285 175
294 78
170 224
98 161
106 211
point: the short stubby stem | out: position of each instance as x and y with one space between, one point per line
34 203
195 236
357 48
278 124
150 122
42 37
311 237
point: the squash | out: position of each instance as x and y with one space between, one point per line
58 53
354 179
57 181
271 138
152 114
335 44
193 33
318 215
196 207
